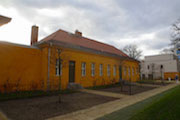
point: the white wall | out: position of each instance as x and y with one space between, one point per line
168 61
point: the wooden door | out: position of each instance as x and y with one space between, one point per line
71 71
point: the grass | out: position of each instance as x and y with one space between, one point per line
31 94
164 106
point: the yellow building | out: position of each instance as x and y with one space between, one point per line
62 58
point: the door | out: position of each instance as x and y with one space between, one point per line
120 72
71 71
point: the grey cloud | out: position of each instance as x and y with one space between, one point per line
108 21
160 40
150 14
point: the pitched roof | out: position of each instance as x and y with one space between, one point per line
70 38
4 20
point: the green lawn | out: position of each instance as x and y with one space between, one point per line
164 106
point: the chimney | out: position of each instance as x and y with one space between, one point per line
78 33
34 34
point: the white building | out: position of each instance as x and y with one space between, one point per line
159 66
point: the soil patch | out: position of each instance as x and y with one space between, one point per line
128 89
156 83
40 108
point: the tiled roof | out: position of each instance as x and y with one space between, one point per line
4 20
70 38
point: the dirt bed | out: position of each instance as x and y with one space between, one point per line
156 83
135 89
40 108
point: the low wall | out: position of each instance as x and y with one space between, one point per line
20 68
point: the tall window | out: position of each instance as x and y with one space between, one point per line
100 69
114 70
92 69
83 69
108 70
129 71
58 67
137 70
133 71
125 70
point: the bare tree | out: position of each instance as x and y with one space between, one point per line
175 35
133 51
167 51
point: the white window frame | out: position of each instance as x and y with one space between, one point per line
100 69
58 70
92 69
83 69
108 70
129 71
114 70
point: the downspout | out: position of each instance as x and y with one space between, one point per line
49 56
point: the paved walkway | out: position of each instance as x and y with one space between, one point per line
106 108
2 116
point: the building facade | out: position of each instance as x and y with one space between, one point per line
160 67
62 58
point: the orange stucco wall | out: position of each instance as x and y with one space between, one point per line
88 80
21 68
171 75
25 68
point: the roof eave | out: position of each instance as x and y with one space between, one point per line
81 48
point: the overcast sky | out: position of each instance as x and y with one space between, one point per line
145 23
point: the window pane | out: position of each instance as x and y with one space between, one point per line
83 69
92 69
108 70
133 71
125 70
100 69
58 67
129 71
114 70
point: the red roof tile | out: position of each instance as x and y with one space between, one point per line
66 37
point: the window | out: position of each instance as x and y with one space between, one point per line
125 70
108 70
58 67
100 69
114 70
83 69
137 70
92 69
161 66
148 67
133 71
129 71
